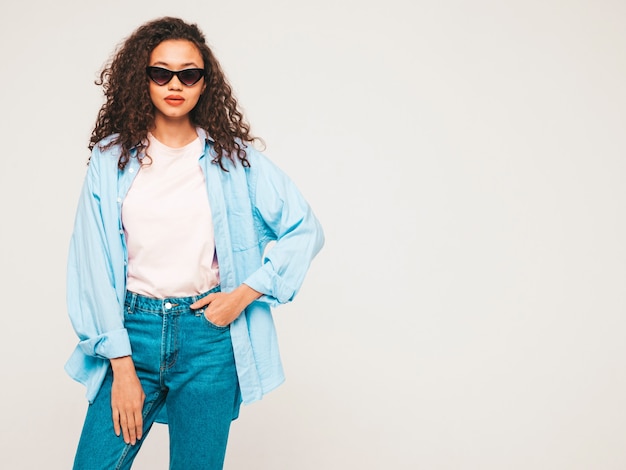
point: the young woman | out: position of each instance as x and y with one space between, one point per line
169 281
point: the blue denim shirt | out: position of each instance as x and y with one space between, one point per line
251 207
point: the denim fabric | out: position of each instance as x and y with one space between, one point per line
185 364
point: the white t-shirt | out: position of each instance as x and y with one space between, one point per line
168 225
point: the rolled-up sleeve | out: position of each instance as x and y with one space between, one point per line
290 221
93 305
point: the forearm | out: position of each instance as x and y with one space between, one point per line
245 295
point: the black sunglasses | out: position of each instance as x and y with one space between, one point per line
187 77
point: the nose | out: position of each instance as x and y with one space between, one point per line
174 84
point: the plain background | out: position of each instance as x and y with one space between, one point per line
467 160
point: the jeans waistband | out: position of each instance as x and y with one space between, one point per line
170 305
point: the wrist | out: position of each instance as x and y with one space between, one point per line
122 364
247 295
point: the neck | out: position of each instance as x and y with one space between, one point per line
173 133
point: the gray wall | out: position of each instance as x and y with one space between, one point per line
467 160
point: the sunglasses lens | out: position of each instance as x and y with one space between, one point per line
160 76
190 76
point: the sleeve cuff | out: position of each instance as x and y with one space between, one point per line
266 281
108 345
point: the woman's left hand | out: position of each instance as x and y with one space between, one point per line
223 308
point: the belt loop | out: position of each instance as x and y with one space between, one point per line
133 301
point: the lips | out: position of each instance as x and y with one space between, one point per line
174 100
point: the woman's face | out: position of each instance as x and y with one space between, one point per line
174 100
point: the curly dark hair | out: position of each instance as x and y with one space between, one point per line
129 112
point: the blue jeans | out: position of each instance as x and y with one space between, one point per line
186 367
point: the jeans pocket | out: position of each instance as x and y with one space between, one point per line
210 323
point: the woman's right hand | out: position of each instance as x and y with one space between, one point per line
127 398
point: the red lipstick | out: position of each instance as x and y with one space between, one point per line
174 100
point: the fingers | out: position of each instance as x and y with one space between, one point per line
127 399
128 427
116 422
126 431
215 321
129 424
138 425
203 302
127 416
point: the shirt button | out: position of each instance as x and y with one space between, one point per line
119 199
131 170
121 232
168 305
